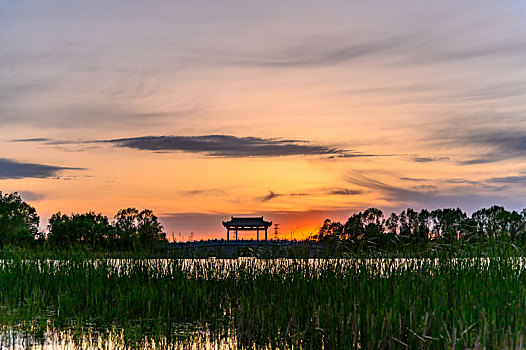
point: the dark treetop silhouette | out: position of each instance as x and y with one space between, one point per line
371 230
19 225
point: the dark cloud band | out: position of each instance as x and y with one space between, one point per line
11 169
222 146
225 146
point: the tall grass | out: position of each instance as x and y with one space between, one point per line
436 301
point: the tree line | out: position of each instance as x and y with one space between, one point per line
130 229
133 229
371 229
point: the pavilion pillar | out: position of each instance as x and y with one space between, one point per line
227 234
265 233
236 234
257 234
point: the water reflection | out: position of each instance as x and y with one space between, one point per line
158 332
184 336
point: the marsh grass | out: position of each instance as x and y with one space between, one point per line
437 301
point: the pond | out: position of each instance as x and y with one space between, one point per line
80 303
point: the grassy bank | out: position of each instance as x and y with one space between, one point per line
438 301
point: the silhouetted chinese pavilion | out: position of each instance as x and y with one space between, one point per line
246 224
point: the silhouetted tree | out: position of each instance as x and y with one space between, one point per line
354 228
422 226
18 221
90 229
126 222
329 229
372 222
392 223
408 222
487 221
149 229
449 224
139 229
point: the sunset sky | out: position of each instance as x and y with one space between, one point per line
295 110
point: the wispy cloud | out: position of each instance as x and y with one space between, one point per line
36 139
31 196
344 192
312 192
203 192
469 196
428 188
314 52
462 181
488 184
387 191
488 145
429 159
354 154
11 169
404 48
272 195
508 180
414 179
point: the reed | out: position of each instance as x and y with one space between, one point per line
433 301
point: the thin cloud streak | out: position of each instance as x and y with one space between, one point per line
312 192
429 159
488 146
272 195
315 53
508 180
430 196
203 192
345 192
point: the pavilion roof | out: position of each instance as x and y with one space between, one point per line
247 221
